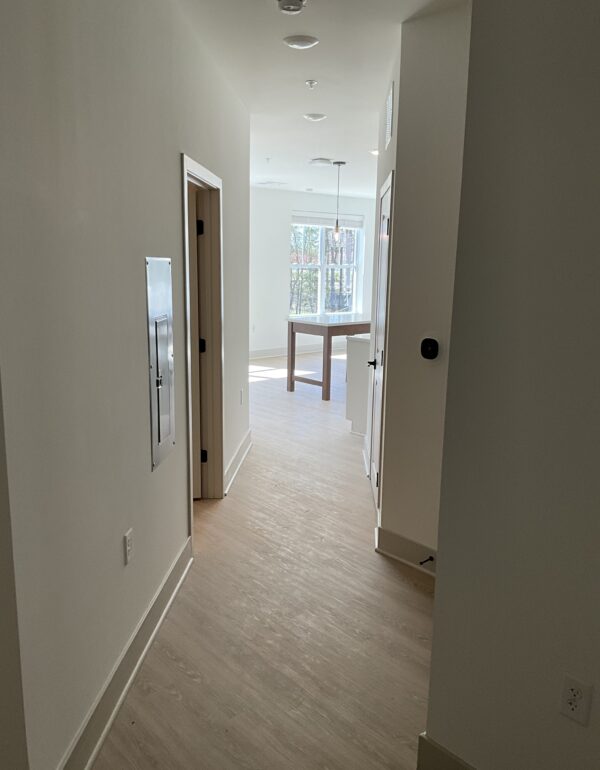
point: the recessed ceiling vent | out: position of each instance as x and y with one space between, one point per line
321 162
291 7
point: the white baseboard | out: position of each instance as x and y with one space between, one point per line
432 756
238 458
338 345
87 742
402 549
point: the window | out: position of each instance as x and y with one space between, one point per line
323 272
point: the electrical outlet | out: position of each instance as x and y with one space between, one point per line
576 700
128 545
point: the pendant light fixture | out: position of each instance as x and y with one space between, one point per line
336 232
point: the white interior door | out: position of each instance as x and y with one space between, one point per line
379 331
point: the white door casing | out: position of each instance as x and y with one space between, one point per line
379 329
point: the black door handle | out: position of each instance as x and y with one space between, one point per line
372 363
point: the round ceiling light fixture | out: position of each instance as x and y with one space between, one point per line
291 7
311 84
374 152
301 42
320 161
314 117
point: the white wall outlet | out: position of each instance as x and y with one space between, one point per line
128 545
576 700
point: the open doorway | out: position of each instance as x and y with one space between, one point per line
202 196
373 440
311 265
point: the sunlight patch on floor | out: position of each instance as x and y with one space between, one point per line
265 373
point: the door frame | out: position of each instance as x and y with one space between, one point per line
210 274
368 448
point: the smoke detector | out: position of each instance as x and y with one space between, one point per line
315 117
291 7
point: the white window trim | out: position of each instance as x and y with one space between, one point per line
324 220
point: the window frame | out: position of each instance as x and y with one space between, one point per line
322 266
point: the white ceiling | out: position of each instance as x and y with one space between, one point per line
358 42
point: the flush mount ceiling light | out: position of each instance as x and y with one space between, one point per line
320 161
301 42
272 182
311 83
374 152
315 117
291 7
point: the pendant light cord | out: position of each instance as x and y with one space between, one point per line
337 212
336 232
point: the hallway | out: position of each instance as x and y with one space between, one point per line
292 644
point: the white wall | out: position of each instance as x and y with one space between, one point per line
270 221
99 100
517 599
426 152
13 743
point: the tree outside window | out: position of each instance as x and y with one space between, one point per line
323 271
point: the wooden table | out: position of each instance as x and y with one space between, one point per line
328 326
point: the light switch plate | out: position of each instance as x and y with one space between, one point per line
128 546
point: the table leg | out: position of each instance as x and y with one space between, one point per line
291 357
326 388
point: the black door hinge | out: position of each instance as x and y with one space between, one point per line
377 480
202 345
199 227
203 455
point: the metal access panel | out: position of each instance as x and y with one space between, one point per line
159 290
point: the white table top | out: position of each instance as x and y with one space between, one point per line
331 319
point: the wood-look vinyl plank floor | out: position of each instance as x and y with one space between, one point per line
292 645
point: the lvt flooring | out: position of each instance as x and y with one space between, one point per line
292 645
